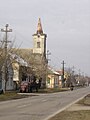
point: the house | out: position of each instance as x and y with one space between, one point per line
17 70
60 77
22 71
52 78
8 83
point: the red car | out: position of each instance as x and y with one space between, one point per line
24 86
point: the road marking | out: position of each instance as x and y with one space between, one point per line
22 106
44 100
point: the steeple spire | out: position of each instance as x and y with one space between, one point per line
39 27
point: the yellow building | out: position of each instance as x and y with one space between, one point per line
52 79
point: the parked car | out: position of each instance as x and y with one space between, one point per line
27 86
24 86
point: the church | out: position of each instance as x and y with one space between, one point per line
31 62
39 52
35 57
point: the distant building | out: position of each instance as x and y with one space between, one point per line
53 78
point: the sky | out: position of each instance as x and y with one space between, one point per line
66 23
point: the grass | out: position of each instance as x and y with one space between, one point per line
72 115
52 90
85 100
11 96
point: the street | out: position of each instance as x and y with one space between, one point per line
40 107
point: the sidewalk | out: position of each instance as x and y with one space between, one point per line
76 107
83 104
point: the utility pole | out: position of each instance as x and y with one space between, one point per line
63 63
47 59
6 30
48 53
79 73
73 70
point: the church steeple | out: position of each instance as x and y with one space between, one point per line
39 40
39 27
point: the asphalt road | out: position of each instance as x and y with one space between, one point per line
40 107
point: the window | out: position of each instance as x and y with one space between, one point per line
38 44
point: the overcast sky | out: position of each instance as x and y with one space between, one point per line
66 23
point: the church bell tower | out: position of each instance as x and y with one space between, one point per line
39 41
